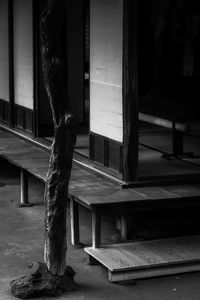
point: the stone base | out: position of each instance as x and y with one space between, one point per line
25 205
38 282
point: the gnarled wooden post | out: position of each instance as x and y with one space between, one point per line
64 138
54 276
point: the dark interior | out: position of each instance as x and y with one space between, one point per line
169 76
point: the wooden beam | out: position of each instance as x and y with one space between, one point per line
130 91
164 122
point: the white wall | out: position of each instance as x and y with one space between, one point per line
4 53
23 53
106 25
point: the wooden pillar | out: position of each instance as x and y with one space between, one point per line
74 219
123 228
96 229
177 141
130 91
11 63
24 188
65 127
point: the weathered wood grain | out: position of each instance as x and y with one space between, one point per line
149 258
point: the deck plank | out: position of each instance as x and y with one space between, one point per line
148 254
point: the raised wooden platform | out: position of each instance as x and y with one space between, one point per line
99 194
149 258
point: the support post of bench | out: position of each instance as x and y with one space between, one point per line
177 141
123 227
96 228
24 188
74 219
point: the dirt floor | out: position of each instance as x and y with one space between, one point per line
21 242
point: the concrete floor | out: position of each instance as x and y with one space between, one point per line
21 242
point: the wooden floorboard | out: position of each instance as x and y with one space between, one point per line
149 258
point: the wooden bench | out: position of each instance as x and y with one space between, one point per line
178 131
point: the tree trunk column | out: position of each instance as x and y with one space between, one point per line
56 193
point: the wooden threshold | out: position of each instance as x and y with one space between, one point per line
145 259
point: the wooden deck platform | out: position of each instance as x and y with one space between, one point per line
100 194
149 258
35 160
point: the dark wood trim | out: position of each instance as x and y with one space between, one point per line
86 5
11 63
130 91
24 118
106 153
36 53
163 180
96 167
1 110
106 138
4 111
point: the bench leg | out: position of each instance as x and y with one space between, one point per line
74 220
96 229
92 261
123 229
24 188
177 142
177 145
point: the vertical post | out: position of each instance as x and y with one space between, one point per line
53 32
24 188
123 227
96 228
36 52
11 67
177 141
130 91
74 220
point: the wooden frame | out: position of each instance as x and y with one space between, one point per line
130 91
11 64
36 52
4 111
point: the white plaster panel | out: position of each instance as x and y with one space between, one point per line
23 53
106 68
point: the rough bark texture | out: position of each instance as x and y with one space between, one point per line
38 282
64 138
53 277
